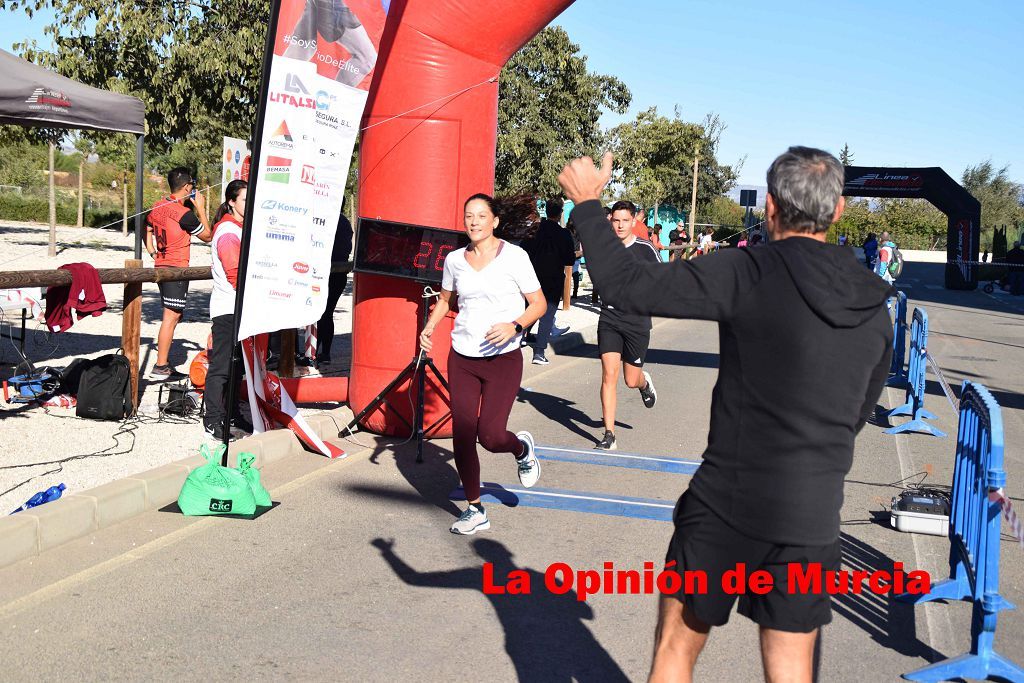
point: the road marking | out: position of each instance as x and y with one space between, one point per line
651 463
574 501
55 589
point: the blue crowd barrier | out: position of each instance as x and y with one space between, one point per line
917 367
897 370
974 542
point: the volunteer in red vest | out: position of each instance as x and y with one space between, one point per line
226 249
172 223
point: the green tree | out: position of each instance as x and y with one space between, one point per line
999 196
549 107
654 160
845 155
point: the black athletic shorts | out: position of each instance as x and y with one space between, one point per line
703 541
173 294
631 343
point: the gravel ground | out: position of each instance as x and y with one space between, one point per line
106 451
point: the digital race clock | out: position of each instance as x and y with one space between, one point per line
402 250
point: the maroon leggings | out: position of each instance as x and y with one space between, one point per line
482 391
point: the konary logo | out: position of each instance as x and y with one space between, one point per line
300 267
274 205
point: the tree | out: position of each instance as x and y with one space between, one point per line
549 107
999 196
195 65
845 155
654 160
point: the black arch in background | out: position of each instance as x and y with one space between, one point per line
962 210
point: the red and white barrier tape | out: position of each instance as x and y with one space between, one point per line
311 342
946 389
1016 527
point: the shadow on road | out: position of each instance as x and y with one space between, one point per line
545 636
562 411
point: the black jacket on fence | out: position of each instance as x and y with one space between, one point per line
804 343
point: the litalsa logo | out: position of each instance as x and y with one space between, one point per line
217 505
274 205
300 267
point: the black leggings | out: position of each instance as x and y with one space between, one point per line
325 328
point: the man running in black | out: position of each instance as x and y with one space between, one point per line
335 23
623 338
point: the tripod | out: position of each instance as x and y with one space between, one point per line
416 371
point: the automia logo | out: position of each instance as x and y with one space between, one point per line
300 267
279 169
282 138
274 205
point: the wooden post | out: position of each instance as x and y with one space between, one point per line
131 323
286 364
53 210
81 191
693 195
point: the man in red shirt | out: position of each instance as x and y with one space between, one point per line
170 226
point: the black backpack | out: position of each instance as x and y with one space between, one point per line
105 388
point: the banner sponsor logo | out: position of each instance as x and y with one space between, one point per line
293 84
279 169
282 138
266 263
316 244
295 282
315 288
322 190
280 235
274 205
887 181
308 175
300 267
278 294
49 100
324 100
963 241
319 222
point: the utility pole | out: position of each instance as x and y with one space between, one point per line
693 195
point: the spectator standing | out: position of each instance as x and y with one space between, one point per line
578 252
170 226
336 283
552 254
884 258
870 247
678 237
815 341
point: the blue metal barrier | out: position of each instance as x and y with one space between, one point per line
974 542
917 367
897 371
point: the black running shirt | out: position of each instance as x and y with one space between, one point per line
646 253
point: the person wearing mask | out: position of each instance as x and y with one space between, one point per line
623 337
226 248
485 366
336 284
805 349
170 226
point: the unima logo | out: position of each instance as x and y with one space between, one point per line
217 505
279 169
282 138
300 267
280 236
308 175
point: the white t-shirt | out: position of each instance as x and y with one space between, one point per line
490 296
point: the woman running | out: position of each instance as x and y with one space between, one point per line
490 279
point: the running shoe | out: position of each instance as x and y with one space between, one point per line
647 392
529 465
557 331
471 521
216 432
608 442
540 359
166 373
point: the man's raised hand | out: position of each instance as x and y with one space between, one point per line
582 180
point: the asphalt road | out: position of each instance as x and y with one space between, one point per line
354 575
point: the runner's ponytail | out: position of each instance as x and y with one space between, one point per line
230 195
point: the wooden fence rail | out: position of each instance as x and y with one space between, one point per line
132 276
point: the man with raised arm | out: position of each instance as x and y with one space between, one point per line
805 344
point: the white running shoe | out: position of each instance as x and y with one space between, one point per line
529 465
474 519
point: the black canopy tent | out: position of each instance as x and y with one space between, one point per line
32 96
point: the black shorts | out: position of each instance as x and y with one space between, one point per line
631 344
173 294
703 541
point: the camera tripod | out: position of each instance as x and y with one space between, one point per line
415 371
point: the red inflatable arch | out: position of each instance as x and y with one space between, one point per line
419 167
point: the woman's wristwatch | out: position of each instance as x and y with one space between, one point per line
519 328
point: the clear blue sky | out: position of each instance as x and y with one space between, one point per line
938 83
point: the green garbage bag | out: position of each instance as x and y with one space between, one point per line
215 490
252 475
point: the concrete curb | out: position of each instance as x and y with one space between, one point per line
29 533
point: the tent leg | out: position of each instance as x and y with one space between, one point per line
53 209
140 144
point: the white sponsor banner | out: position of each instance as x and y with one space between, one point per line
236 160
309 133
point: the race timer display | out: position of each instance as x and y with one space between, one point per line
402 250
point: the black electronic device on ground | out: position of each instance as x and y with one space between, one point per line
181 400
921 512
415 371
